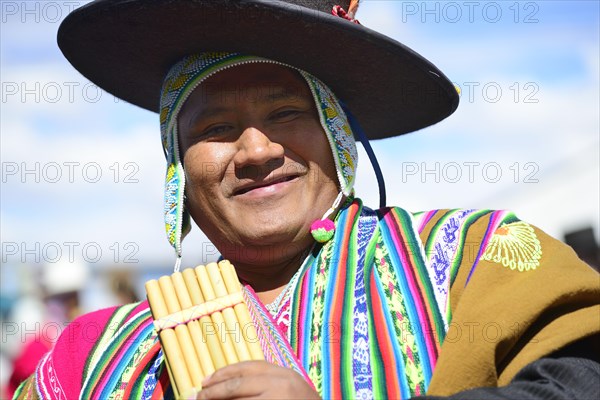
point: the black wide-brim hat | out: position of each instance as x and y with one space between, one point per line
126 47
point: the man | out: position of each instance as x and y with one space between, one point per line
261 154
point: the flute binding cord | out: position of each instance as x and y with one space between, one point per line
203 324
196 312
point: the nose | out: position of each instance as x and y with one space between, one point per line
256 148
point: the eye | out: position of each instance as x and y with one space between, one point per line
285 115
214 130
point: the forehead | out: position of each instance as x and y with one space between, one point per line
262 82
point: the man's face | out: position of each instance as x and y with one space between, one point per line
259 169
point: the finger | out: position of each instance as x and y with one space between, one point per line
235 370
233 388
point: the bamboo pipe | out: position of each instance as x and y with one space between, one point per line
231 321
176 364
198 337
183 333
241 310
217 317
212 340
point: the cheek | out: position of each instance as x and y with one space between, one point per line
323 159
328 165
327 180
204 166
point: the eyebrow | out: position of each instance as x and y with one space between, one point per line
206 113
283 93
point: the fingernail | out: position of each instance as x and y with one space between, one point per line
206 379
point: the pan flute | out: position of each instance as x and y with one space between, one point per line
203 324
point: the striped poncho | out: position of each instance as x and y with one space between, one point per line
394 306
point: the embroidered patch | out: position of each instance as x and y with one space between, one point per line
514 245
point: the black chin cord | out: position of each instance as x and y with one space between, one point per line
357 130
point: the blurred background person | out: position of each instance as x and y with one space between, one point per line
56 303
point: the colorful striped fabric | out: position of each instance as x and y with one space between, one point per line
384 343
368 315
114 364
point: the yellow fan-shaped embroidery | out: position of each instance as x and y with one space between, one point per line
515 246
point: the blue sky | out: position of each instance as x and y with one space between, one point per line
536 123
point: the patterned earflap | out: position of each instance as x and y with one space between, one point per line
187 75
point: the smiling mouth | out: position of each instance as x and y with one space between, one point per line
260 185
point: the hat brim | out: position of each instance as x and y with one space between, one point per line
126 47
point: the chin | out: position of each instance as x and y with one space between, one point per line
267 235
262 246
